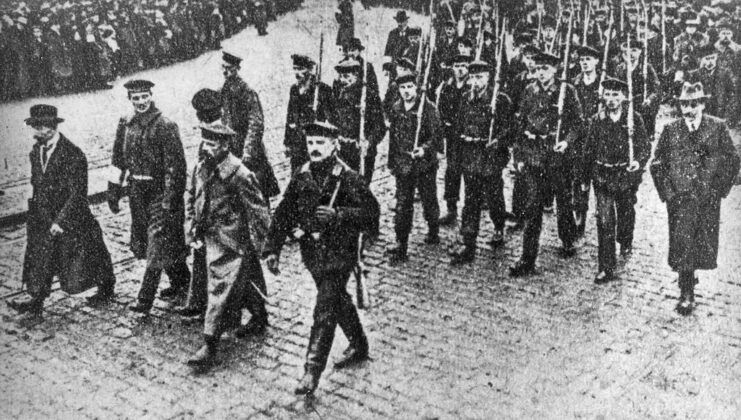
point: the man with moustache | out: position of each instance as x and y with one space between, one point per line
301 101
449 105
718 85
149 155
543 163
607 165
331 205
484 137
413 162
353 49
693 169
63 237
242 112
229 217
347 97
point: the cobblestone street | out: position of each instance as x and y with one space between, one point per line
446 342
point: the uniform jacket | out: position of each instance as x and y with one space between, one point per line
396 43
685 164
227 206
474 122
335 247
242 112
588 95
301 112
148 144
606 157
719 85
653 89
402 131
538 114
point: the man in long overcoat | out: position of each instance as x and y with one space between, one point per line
62 233
242 112
149 154
693 169
230 217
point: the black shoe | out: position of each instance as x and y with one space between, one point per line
205 356
432 238
603 277
188 311
172 293
21 306
626 251
521 268
252 327
497 239
140 307
464 256
449 218
397 253
686 304
100 298
567 251
308 384
351 356
30 318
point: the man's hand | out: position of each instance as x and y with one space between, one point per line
325 214
560 147
418 152
363 145
113 196
634 166
56 230
585 187
197 244
273 263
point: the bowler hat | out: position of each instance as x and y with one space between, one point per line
354 44
41 114
302 61
216 132
692 92
231 59
207 104
401 16
321 129
348 66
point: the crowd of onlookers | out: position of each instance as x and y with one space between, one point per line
55 47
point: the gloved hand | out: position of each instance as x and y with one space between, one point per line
113 195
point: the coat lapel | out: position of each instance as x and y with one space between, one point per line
57 157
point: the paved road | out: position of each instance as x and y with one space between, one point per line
464 342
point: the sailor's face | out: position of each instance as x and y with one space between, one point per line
320 147
545 73
587 63
613 99
479 81
141 101
460 70
408 91
301 73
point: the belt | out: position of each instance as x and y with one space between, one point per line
470 139
612 165
141 177
539 136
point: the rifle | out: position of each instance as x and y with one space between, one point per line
480 34
361 291
540 24
318 76
564 75
558 28
497 82
631 105
423 87
586 26
605 57
663 36
645 52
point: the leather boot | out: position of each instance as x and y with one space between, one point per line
433 235
206 355
398 252
450 217
357 351
320 343
686 303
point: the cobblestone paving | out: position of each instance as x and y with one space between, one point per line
464 342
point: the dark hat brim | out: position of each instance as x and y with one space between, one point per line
43 120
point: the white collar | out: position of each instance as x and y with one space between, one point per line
52 143
693 124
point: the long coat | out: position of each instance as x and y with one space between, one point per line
332 248
692 173
242 112
229 213
60 196
396 43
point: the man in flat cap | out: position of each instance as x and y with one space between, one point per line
483 146
607 165
397 40
449 102
412 160
63 237
543 160
693 169
229 217
149 154
242 112
305 105
326 206
718 85
347 97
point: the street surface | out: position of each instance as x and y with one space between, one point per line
448 343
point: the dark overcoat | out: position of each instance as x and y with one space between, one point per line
79 255
692 173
